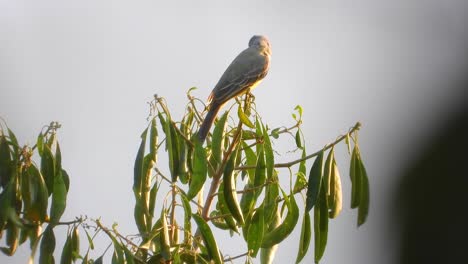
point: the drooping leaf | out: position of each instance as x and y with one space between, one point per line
225 210
251 160
59 198
208 238
355 179
335 197
199 170
363 209
217 141
48 168
268 254
138 167
320 224
244 118
66 257
315 176
286 227
256 231
301 181
6 162
35 194
304 240
164 237
47 246
269 155
12 239
298 139
230 195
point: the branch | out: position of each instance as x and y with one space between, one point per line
356 127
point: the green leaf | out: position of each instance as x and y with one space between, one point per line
208 238
301 181
59 198
40 143
99 260
244 118
90 240
173 151
275 133
271 200
251 160
304 240
6 163
187 217
363 209
268 254
315 176
321 224
75 243
217 141
230 195
138 167
152 201
284 229
153 139
256 231
355 175
14 142
66 257
47 246
48 168
12 239
35 194
130 259
199 170
298 139
225 210
260 172
269 155
164 237
327 171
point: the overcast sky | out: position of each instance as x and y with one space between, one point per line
94 65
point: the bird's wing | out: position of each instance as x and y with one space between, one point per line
249 67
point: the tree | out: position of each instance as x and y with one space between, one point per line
249 194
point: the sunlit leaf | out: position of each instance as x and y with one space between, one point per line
244 118
335 197
59 198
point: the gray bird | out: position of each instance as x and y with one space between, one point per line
242 75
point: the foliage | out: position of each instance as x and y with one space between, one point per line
246 196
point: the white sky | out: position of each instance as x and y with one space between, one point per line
93 65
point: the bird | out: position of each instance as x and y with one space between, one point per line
245 72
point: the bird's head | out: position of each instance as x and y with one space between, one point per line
260 42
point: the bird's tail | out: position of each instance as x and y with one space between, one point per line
209 119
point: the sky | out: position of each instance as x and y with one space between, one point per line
94 65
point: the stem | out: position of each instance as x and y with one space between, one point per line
217 176
236 257
356 127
